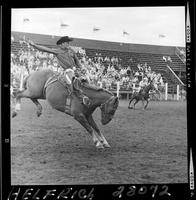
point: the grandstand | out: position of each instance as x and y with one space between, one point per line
150 54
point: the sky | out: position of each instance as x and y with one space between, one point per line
141 25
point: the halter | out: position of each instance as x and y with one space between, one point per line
103 104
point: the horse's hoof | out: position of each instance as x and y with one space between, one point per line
100 146
14 114
38 114
106 145
96 142
130 107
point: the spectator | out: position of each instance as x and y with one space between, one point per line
169 59
99 70
137 73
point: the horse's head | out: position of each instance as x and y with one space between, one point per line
152 85
103 98
108 109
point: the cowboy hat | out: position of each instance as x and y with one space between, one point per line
64 39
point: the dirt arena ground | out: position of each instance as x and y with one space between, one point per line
146 147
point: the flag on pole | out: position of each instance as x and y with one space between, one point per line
26 20
64 25
125 33
161 36
96 29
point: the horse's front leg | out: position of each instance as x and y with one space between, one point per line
147 101
80 117
129 103
130 107
100 136
136 101
143 103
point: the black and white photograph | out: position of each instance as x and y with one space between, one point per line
98 96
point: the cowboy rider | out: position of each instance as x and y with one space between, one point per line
142 84
65 55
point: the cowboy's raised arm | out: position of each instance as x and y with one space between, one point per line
78 64
42 48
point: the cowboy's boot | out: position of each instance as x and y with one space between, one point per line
85 99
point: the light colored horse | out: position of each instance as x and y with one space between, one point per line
45 85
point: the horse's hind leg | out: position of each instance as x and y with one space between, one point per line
147 101
100 136
143 104
136 101
19 95
130 103
84 122
39 107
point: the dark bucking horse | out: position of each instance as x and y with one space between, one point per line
142 95
45 84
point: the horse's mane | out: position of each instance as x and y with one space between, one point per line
86 85
150 85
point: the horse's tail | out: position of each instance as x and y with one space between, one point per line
24 85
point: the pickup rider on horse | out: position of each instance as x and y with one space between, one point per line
67 59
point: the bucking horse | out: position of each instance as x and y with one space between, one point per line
46 84
143 95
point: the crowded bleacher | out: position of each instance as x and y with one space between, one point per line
103 71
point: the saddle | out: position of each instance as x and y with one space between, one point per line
73 89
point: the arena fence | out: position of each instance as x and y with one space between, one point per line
175 92
170 92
